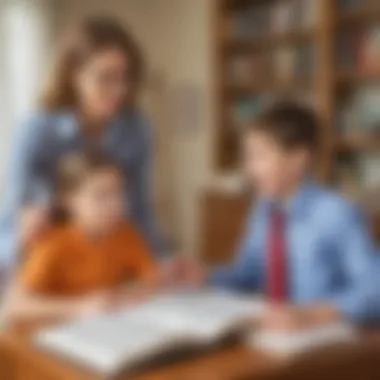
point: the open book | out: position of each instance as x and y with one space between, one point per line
120 340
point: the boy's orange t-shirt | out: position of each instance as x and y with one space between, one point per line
66 261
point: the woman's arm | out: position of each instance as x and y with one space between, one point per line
140 190
21 185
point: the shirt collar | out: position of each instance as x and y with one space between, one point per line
299 203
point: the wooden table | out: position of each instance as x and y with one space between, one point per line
20 360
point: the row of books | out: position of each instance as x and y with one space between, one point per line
361 112
348 5
275 18
284 64
360 49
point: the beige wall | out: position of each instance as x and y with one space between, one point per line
176 35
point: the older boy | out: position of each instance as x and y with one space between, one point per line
305 247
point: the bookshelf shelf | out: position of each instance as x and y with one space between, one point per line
292 37
354 78
361 15
236 91
359 142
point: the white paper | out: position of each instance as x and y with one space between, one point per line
291 343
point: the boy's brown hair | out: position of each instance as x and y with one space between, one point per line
72 171
74 168
291 124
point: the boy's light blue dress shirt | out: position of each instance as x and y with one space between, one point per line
44 138
330 254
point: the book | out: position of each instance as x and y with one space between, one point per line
293 343
370 52
123 339
285 63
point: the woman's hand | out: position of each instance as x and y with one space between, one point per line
108 300
131 294
33 220
94 304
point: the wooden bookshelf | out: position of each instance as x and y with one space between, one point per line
328 82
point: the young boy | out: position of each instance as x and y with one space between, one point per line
90 259
305 247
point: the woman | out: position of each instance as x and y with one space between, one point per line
90 99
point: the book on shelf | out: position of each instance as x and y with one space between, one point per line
305 61
292 62
370 51
349 49
360 113
359 50
369 173
244 110
247 69
357 177
367 102
284 59
347 5
288 15
369 177
345 177
280 17
311 9
250 22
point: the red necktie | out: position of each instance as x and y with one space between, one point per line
277 261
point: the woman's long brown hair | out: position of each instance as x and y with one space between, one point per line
91 35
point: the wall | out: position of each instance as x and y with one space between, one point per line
25 37
176 36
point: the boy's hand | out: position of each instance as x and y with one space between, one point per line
321 313
183 270
291 318
283 317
